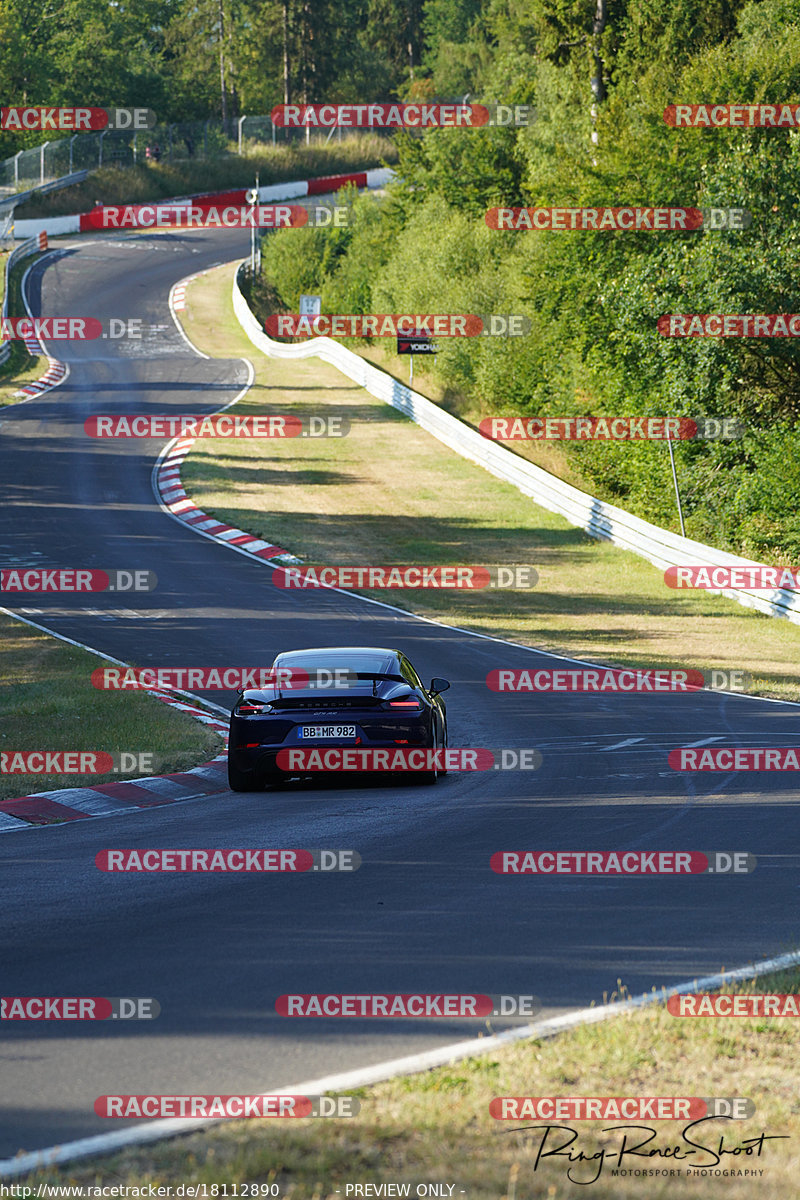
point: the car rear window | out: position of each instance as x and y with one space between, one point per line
369 664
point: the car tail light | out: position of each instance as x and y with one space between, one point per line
409 704
247 709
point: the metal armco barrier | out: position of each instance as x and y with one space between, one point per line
30 247
269 194
601 520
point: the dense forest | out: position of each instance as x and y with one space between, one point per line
600 76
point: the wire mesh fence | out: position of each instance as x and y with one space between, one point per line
176 142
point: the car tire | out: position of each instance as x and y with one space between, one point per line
444 747
428 777
242 781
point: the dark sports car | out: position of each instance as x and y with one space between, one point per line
347 696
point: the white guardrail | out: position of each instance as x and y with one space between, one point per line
601 520
30 247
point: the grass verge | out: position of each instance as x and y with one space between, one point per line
435 1127
47 702
390 493
20 367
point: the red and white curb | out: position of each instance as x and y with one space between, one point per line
179 294
77 803
376 177
171 493
55 373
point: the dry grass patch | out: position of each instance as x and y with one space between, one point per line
47 702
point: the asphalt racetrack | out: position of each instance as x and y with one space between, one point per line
424 912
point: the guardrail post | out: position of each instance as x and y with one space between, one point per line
16 169
240 122
42 148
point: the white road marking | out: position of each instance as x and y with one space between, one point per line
619 745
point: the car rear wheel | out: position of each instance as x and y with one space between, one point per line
423 777
242 781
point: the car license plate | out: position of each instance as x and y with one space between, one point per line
327 731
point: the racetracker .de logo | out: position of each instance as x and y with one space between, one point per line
626 862
212 679
228 1106
624 220
721 1004
406 1004
78 1008
601 679
412 577
719 116
259 860
735 758
75 120
73 579
742 325
364 759
220 425
577 429
78 329
52 329
620 429
750 576
360 325
185 215
401 116
618 1108
56 762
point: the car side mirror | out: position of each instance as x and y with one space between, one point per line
438 685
